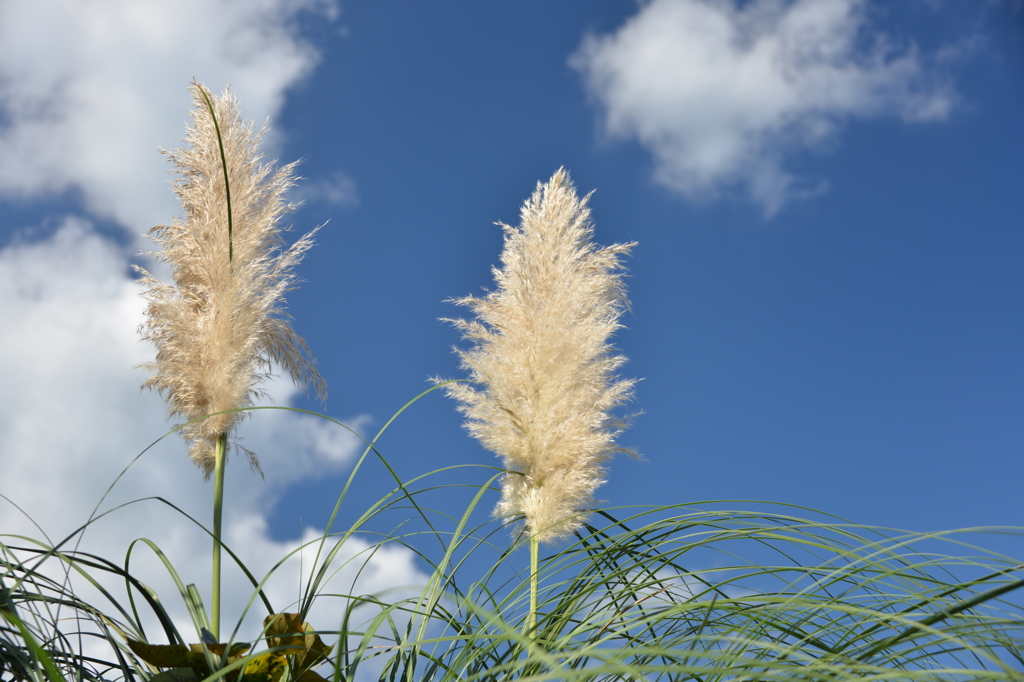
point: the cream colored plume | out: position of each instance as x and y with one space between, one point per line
221 325
542 370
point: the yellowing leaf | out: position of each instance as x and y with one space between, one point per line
287 633
187 663
268 667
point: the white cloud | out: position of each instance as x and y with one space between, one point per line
88 89
339 189
72 417
720 93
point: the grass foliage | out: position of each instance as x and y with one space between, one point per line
698 591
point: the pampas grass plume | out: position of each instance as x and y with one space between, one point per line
542 371
221 325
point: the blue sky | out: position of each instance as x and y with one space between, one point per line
828 197
856 351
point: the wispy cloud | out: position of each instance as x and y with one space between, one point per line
338 190
88 89
722 93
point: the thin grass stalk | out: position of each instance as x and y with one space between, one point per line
218 516
531 623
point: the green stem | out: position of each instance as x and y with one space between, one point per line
531 622
218 509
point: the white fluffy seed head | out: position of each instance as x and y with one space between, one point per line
221 325
542 370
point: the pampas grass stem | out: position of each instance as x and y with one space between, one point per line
218 517
543 367
221 327
531 621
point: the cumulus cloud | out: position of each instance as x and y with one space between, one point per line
721 93
88 88
72 418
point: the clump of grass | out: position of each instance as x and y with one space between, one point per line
698 591
665 593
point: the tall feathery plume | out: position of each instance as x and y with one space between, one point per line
542 370
221 326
